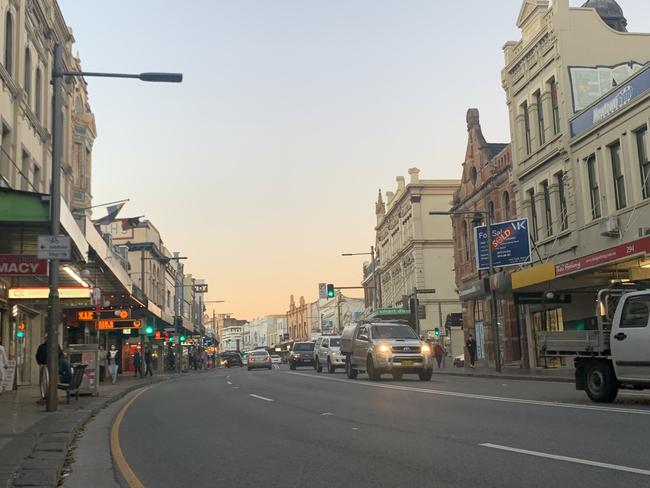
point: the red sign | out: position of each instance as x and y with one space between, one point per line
12 265
610 255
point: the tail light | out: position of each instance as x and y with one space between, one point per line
251 358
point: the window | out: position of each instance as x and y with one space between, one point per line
24 172
506 205
594 190
465 242
491 210
636 312
644 162
524 111
564 218
533 215
617 174
38 95
473 175
540 118
36 179
27 78
548 213
554 105
9 43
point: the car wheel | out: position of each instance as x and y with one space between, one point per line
602 386
330 369
270 368
397 376
319 366
349 370
425 375
249 369
372 372
292 367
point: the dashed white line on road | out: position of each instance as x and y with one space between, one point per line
229 382
326 414
261 398
235 388
586 462
473 396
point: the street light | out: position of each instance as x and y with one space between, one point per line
376 296
58 74
477 220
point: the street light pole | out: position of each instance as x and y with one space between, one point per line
376 297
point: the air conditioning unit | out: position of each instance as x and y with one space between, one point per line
644 231
609 227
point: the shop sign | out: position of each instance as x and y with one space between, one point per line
477 289
509 244
20 265
43 292
540 298
9 375
607 256
90 315
113 324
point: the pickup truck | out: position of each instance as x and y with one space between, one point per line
614 356
385 347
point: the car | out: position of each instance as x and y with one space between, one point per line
229 359
459 361
244 358
259 358
317 344
327 353
302 354
275 359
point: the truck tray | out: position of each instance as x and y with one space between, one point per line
573 343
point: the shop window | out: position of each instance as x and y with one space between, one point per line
594 190
617 174
564 218
644 161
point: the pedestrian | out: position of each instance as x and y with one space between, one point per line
148 361
41 360
137 363
471 349
439 353
102 357
3 364
113 363
65 370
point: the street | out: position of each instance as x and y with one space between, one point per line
282 428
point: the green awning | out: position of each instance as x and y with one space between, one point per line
24 207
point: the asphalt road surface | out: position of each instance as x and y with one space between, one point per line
302 429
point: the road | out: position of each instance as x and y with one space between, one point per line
281 428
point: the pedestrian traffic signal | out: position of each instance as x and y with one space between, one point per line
330 290
436 332
183 338
20 333
148 330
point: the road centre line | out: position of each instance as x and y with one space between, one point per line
261 398
615 467
473 396
229 382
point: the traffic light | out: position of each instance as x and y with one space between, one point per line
330 290
436 332
20 333
183 338
148 330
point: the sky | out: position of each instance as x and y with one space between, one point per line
263 166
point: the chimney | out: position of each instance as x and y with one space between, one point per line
414 173
389 198
400 184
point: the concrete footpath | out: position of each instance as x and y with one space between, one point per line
563 375
34 443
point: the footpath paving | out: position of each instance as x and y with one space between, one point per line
34 443
564 375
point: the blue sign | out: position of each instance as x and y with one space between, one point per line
510 244
612 103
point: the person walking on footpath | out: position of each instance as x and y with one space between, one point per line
3 364
471 349
41 360
137 363
112 363
102 357
148 361
438 352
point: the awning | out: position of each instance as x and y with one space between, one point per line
539 273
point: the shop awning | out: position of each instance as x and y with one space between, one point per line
539 273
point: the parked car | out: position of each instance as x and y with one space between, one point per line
259 359
244 358
275 359
327 353
229 359
302 354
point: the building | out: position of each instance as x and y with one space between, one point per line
298 322
577 101
416 250
233 334
486 184
264 331
339 312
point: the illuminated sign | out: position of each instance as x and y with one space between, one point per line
11 265
90 315
42 293
112 324
86 315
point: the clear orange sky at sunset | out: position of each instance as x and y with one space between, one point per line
263 166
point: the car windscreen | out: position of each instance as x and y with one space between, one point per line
304 346
335 342
393 332
259 353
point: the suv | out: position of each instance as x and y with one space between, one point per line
385 347
229 359
302 354
328 353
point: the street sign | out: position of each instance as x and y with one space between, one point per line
203 288
53 247
22 265
322 290
510 244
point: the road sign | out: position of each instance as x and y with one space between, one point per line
53 247
322 290
203 288
510 244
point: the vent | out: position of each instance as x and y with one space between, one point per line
609 227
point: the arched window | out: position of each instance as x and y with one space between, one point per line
78 105
27 77
506 205
38 95
465 243
9 43
491 210
473 175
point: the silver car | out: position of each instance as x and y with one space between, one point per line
328 354
259 359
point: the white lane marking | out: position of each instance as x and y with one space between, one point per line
473 396
355 428
261 398
235 388
229 382
633 393
586 462
326 414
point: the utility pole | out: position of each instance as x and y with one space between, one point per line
493 294
142 326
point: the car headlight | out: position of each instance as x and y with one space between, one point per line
426 349
384 348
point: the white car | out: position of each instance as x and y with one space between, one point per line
276 359
328 354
